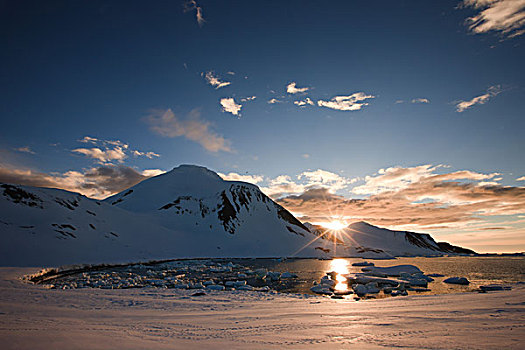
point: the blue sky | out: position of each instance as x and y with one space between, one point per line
428 83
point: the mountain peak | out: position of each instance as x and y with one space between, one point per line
360 224
193 170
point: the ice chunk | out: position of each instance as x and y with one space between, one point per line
196 285
457 280
395 293
360 289
215 287
332 274
245 287
238 284
327 281
273 276
288 275
417 279
321 289
364 279
492 287
372 288
261 273
364 263
392 270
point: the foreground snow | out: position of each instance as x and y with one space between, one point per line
35 318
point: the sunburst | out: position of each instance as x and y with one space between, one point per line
335 225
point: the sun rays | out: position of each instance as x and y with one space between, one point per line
335 225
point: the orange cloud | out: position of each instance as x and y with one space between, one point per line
416 197
99 182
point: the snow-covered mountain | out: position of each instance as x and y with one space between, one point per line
190 196
364 239
187 212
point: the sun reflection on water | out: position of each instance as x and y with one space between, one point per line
340 267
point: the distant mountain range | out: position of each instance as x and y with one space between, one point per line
363 239
187 212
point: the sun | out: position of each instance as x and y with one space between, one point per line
335 225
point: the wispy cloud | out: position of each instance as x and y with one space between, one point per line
293 89
229 105
103 156
324 178
167 124
214 80
398 178
254 179
420 100
281 185
249 98
108 151
353 102
149 155
521 178
25 149
505 16
273 100
192 5
98 182
306 101
152 172
393 179
481 99
89 139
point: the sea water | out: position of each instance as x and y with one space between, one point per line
478 270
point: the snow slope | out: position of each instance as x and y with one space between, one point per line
41 226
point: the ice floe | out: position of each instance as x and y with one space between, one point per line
392 270
457 280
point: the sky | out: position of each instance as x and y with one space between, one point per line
405 114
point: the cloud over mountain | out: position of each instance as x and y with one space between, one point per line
98 182
416 196
107 151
